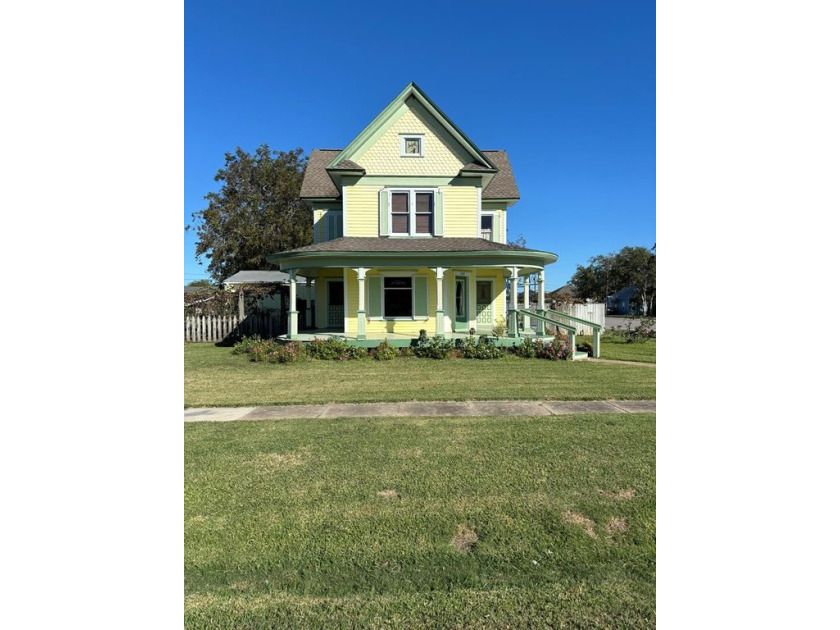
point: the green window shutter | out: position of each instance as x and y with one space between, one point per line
497 227
339 220
421 296
439 213
374 284
383 212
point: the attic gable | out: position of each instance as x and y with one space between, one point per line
446 148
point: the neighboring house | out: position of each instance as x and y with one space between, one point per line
621 302
410 221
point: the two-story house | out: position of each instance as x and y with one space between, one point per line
410 223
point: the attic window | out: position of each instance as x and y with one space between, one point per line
411 146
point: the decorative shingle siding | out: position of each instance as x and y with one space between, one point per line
442 155
361 203
460 211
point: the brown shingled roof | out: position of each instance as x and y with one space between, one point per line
317 182
503 185
347 164
385 244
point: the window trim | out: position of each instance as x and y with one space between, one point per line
412 212
412 136
402 274
491 214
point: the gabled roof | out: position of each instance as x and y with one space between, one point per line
413 90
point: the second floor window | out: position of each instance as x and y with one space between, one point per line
412 212
487 227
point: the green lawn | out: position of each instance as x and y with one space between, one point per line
542 522
215 377
623 351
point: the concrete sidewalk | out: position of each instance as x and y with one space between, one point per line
415 409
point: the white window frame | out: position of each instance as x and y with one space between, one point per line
412 208
412 136
403 274
487 214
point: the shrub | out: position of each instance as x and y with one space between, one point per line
434 348
262 350
385 352
500 329
244 346
527 349
585 346
334 350
556 350
482 348
290 352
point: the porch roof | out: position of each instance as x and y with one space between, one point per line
355 251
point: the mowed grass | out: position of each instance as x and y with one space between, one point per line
213 376
537 522
618 350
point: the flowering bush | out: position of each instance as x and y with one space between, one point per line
482 348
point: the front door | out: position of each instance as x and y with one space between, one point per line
335 304
484 304
462 320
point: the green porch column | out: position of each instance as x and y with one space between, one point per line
526 285
513 324
541 303
310 320
361 272
439 271
293 312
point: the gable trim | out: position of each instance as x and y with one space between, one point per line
377 125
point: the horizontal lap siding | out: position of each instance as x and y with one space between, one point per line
378 328
361 204
497 276
460 211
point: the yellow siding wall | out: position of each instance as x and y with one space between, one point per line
361 204
442 155
460 211
498 304
377 328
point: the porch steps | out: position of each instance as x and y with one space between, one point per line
580 356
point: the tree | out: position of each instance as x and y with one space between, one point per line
606 274
256 212
519 242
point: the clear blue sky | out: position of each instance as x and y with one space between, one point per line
567 88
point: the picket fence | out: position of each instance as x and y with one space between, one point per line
216 328
593 312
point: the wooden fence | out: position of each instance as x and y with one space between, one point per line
216 328
593 312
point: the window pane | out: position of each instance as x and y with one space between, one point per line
398 297
399 202
398 283
399 223
412 146
423 202
486 222
424 223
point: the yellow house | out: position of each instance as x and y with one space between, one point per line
410 221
